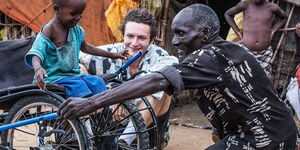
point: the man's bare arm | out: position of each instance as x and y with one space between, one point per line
229 16
132 89
281 15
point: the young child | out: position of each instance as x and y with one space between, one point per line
55 52
257 27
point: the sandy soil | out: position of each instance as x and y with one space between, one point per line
188 138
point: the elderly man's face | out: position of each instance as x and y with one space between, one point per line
187 37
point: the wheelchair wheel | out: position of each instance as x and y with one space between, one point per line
44 135
108 133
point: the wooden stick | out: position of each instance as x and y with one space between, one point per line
164 23
38 14
282 35
287 29
287 77
10 24
278 46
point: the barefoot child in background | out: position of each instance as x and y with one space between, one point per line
257 27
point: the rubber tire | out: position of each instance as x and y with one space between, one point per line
23 102
138 122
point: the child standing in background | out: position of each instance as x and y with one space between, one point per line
258 30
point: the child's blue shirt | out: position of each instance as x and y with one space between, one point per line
59 62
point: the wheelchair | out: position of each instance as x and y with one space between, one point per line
26 102
95 131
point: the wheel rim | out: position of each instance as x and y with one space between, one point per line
24 135
109 128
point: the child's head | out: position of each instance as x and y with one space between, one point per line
258 1
68 12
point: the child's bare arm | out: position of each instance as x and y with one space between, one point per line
39 72
229 16
90 49
281 15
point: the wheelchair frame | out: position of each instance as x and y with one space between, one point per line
10 96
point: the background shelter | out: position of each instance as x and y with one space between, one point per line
35 13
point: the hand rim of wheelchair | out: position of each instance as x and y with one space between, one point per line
23 108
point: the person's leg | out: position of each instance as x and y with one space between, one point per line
94 83
233 142
74 87
83 68
161 109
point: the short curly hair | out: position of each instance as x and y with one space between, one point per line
139 15
205 16
61 3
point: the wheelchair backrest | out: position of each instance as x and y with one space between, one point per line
13 70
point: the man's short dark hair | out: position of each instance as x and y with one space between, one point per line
59 2
140 16
205 17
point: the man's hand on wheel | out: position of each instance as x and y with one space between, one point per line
119 112
75 107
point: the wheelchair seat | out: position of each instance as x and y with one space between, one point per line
59 89
10 95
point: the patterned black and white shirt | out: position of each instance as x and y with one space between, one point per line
236 96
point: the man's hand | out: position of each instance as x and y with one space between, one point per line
215 138
298 76
119 112
75 107
298 147
297 29
40 74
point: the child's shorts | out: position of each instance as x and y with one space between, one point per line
83 86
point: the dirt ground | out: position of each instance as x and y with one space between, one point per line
185 129
186 133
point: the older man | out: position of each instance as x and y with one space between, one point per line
234 93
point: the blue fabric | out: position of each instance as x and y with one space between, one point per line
83 86
59 62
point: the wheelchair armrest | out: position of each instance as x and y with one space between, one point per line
56 88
